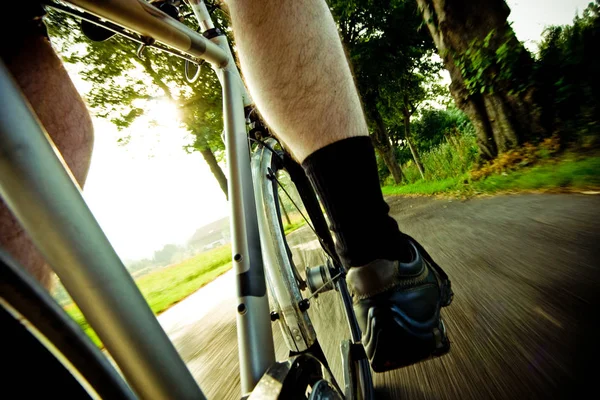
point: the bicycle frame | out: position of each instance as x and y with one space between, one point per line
40 190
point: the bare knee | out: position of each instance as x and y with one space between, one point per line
46 85
48 88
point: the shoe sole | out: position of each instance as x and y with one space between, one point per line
391 342
446 294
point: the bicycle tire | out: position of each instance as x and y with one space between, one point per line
58 356
267 163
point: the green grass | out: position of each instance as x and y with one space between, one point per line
425 187
451 159
566 173
76 314
167 286
289 228
296 220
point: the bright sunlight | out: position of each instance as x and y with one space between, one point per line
150 191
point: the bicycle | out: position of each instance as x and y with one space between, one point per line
38 189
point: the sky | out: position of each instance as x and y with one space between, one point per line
530 17
150 192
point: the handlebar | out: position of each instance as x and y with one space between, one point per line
149 21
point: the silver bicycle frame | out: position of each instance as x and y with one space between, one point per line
37 186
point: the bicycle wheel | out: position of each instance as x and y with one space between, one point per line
298 378
45 353
300 266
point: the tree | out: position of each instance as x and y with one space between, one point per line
390 57
166 255
435 125
418 84
120 80
489 67
567 76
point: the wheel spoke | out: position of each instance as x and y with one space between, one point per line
274 177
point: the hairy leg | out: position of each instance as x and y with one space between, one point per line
294 64
296 69
44 81
297 72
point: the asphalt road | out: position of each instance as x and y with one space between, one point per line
525 272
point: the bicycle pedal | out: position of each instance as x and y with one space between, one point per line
393 345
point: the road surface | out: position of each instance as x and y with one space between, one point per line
525 272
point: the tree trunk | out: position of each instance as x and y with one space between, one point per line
389 158
215 168
412 148
504 118
285 214
383 146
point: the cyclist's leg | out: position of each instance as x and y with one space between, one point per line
44 81
310 100
294 64
296 70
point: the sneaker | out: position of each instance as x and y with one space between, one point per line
398 309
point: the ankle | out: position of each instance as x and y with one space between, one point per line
352 198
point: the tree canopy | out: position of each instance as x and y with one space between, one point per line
567 74
391 56
121 81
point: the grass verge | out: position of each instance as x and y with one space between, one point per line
169 285
425 187
567 173
289 228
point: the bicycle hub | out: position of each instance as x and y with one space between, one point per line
319 278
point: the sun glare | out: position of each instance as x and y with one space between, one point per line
162 112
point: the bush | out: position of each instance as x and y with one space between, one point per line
521 157
453 157
437 132
434 125
567 78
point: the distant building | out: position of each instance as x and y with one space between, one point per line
212 235
214 244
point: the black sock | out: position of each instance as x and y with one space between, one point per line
345 176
